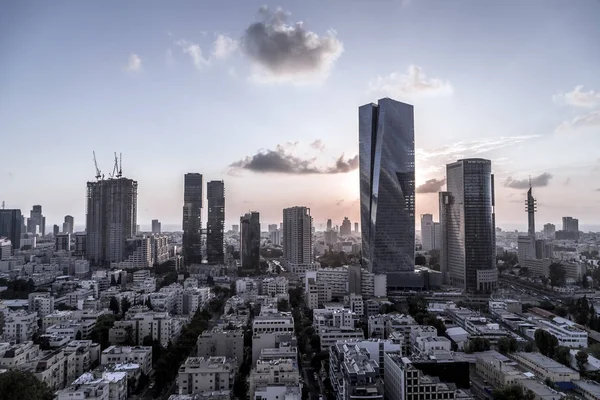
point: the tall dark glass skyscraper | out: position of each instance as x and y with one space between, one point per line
387 187
11 222
468 253
215 194
250 240
192 219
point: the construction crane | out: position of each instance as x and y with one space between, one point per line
115 170
120 174
3 204
98 173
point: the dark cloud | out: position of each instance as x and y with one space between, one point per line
283 49
431 186
318 145
280 161
536 181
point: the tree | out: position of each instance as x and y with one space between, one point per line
100 332
78 335
512 392
545 342
114 305
557 274
282 305
581 358
420 260
563 356
125 305
507 345
16 384
210 281
416 305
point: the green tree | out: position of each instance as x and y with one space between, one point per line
78 335
16 384
581 358
282 305
125 305
563 356
114 305
416 305
100 332
512 392
557 274
507 345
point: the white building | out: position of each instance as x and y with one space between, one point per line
355 303
86 354
329 336
116 382
274 286
199 374
567 332
354 374
89 391
297 240
316 293
42 303
277 392
140 355
159 249
140 276
55 368
5 248
74 329
159 325
281 371
82 268
429 241
12 356
19 326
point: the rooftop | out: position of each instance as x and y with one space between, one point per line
545 362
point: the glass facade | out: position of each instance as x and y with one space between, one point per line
215 194
10 226
387 186
250 241
468 225
192 218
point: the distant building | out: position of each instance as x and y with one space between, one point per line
55 230
429 241
549 231
69 224
272 227
346 227
235 228
329 224
62 241
192 218
10 226
36 224
155 226
356 227
250 241
570 224
215 226
221 342
297 239
467 218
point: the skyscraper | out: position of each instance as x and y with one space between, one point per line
111 219
570 224
427 232
356 227
11 222
468 253
192 219
156 226
55 230
549 231
69 224
250 240
37 222
215 227
346 228
387 187
329 224
297 239
530 208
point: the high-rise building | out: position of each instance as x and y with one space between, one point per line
10 226
62 241
36 223
250 241
297 239
110 219
69 224
235 228
55 230
215 227
549 231
272 227
329 224
346 228
570 224
387 187
192 219
468 251
427 232
356 227
156 227
531 208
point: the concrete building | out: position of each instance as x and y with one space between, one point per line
10 226
55 368
159 325
156 227
545 367
192 218
137 253
19 326
159 249
497 369
549 231
215 227
346 227
570 224
316 293
282 371
274 286
429 241
115 380
199 374
277 392
140 355
355 303
250 240
73 329
111 219
5 248
88 391
566 331
13 356
297 240
62 242
353 373
221 342
36 224
467 218
86 354
42 303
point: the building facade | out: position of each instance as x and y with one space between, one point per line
215 193
192 219
297 239
250 240
10 226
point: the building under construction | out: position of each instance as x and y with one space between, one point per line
111 217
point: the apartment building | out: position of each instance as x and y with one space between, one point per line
200 374
55 368
353 373
274 286
116 382
19 326
273 372
89 391
18 354
86 354
221 342
42 303
158 325
277 392
73 329
316 293
141 355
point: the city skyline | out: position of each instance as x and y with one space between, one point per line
478 90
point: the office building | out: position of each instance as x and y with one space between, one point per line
272 227
36 224
468 251
570 224
215 227
200 374
155 227
80 244
429 233
329 224
250 240
356 227
10 226
192 219
68 224
55 230
387 188
549 231
111 219
276 237
346 228
62 241
354 373
297 239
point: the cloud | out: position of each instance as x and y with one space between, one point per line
224 46
283 52
579 98
282 161
537 181
339 202
134 63
589 120
318 145
431 186
413 83
195 52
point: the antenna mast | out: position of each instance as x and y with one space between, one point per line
120 174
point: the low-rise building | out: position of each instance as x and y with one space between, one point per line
42 303
545 367
158 325
220 342
277 392
75 329
353 373
566 331
19 326
141 355
590 390
283 371
199 374
274 286
55 368
86 354
93 390
116 382
12 356
497 369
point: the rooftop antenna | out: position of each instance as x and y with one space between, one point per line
529 181
98 173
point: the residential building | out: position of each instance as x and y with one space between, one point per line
387 187
549 231
354 373
355 303
160 249
316 293
274 286
19 326
215 227
138 253
55 368
199 374
111 219
570 224
376 348
283 371
73 329
5 248
140 355
42 303
428 233
159 325
69 224
545 367
62 241
86 354
467 218
156 227
95 390
222 342
10 226
250 240
13 356
192 219
115 380
80 244
276 237
81 268
277 392
297 240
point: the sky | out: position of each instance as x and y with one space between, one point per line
266 97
